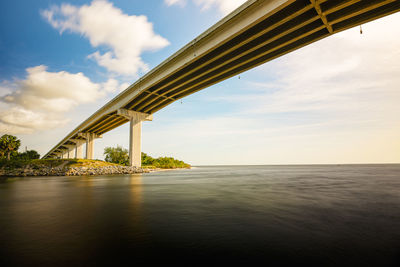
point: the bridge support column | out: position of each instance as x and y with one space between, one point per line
89 137
78 147
65 153
135 134
71 151
135 143
79 150
89 146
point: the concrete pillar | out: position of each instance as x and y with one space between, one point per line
65 153
78 147
135 143
71 151
89 137
79 151
135 134
89 146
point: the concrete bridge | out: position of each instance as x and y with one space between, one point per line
255 33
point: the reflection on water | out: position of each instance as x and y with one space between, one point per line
136 190
313 215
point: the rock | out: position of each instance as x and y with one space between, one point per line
69 171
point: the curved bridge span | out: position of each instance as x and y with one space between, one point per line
255 33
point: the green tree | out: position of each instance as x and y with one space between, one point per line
147 160
28 155
117 155
120 155
9 144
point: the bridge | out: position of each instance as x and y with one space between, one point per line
256 32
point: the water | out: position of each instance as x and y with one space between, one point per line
314 215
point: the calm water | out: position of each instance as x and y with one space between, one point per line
314 215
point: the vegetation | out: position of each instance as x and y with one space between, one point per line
162 162
27 155
89 163
34 163
116 155
120 155
9 155
10 158
8 145
42 163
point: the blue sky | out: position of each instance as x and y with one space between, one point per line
335 101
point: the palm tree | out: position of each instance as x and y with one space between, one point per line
8 144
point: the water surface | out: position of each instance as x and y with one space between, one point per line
314 215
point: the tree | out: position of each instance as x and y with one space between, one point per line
120 155
117 155
147 160
9 144
28 155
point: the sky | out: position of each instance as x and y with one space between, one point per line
335 101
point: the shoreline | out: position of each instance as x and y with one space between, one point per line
77 171
70 167
145 170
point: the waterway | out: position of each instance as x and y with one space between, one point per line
323 215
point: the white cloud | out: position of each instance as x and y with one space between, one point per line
40 100
112 86
53 91
223 6
175 2
17 120
127 36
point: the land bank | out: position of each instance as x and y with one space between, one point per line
71 167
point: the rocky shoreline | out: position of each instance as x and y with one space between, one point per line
71 171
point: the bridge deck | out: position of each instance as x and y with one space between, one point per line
255 33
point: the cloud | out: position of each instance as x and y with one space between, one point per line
126 36
112 86
40 100
19 120
175 2
53 91
223 6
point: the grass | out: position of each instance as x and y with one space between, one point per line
40 163
88 163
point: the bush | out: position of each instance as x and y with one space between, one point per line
163 162
27 155
116 155
13 163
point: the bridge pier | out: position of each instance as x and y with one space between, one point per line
89 138
71 150
64 153
78 147
90 146
135 134
135 142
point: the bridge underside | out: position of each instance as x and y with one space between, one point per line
283 27
293 26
